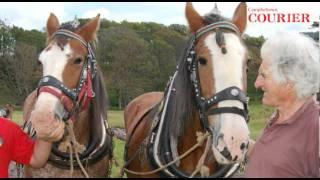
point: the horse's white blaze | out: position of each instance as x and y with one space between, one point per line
227 72
53 62
227 68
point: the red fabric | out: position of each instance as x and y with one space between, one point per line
86 94
16 146
65 100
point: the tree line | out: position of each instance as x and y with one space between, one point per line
134 57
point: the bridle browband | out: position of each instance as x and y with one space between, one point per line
160 155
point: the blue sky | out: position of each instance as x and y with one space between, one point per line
34 15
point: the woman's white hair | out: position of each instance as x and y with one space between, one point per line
294 57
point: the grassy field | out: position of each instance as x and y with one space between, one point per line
258 114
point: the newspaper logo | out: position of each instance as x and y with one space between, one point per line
273 15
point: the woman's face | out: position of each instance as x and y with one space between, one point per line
275 94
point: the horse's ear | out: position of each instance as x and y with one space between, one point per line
194 19
240 16
90 29
52 24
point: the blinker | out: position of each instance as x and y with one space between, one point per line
234 92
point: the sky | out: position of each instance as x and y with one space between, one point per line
33 15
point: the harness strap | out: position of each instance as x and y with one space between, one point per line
54 82
71 34
231 93
65 100
221 24
233 110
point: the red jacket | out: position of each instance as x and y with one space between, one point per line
15 145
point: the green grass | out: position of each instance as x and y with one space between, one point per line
118 155
258 116
17 117
115 118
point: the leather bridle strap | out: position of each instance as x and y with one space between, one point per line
65 100
233 110
68 33
221 24
54 82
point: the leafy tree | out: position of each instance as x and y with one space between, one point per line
33 38
128 64
19 70
181 29
7 41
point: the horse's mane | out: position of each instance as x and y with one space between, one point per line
182 102
212 18
98 108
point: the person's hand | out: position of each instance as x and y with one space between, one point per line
48 130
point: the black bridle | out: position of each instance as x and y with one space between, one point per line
231 93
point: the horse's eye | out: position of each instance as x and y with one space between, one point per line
78 61
202 61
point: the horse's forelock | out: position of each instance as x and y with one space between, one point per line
213 18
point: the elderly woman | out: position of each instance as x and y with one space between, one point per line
289 77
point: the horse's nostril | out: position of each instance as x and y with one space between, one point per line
235 158
242 146
220 136
226 153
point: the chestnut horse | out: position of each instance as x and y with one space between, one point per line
207 93
72 89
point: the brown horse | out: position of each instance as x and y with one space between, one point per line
72 89
205 94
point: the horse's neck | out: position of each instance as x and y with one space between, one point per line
188 140
189 137
81 127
